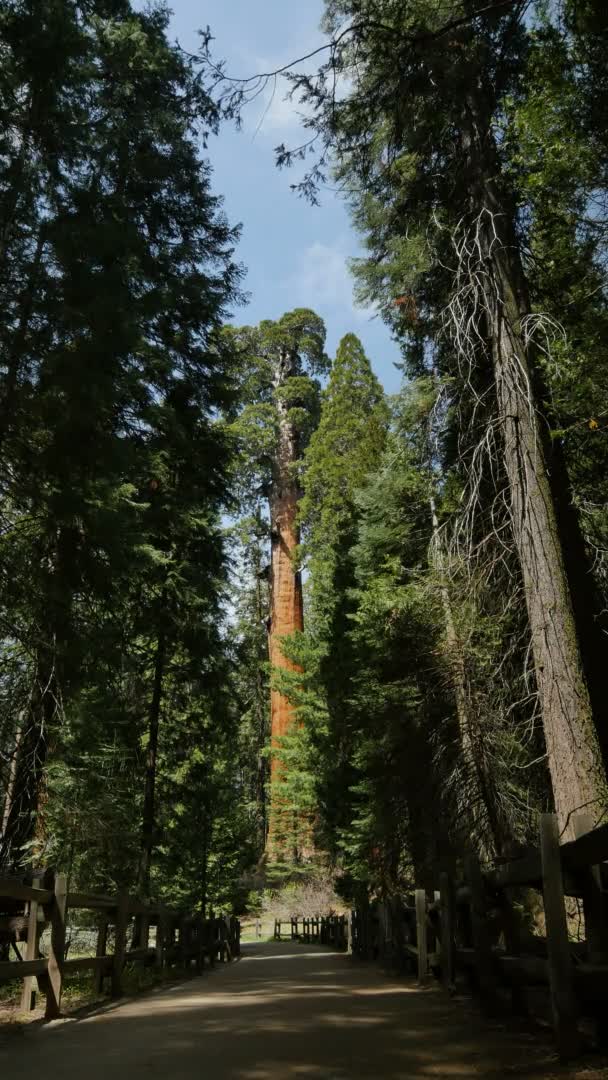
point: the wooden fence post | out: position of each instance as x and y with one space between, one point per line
120 942
161 934
596 921
28 994
100 950
169 942
563 1002
57 949
225 930
221 937
482 944
447 943
349 933
204 941
144 930
184 942
421 939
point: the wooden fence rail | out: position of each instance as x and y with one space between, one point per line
321 930
27 910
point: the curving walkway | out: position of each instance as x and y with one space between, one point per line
284 1012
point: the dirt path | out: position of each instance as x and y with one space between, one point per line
284 1012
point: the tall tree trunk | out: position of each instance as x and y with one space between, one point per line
14 359
9 797
573 752
590 615
57 675
25 837
205 865
149 807
46 732
286 605
259 792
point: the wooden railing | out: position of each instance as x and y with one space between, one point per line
470 927
319 930
27 910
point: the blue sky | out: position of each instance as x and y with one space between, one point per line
295 254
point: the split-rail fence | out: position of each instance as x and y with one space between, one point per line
28 909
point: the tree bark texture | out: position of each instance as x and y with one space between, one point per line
25 829
573 752
149 807
286 604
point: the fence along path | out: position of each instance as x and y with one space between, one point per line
27 910
469 928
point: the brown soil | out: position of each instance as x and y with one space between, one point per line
286 1012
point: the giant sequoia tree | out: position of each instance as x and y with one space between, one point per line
282 361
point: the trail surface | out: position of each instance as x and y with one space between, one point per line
284 1012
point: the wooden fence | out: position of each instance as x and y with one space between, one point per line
319 930
470 927
27 910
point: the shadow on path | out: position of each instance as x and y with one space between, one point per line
284 1012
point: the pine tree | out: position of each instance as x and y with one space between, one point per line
251 683
394 824
343 451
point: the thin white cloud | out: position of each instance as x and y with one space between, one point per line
322 279
275 113
279 113
272 111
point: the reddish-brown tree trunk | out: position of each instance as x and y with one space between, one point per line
286 606
286 612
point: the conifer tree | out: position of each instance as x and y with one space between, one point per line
343 451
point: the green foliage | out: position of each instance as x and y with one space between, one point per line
280 365
117 274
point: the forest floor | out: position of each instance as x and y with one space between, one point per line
286 1012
